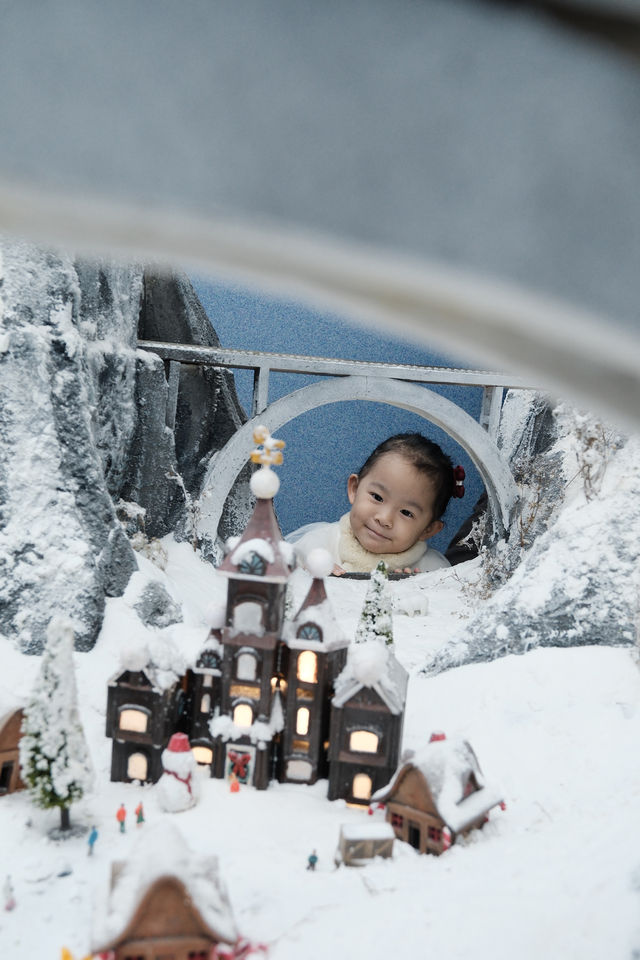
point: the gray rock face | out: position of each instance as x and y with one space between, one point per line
83 425
578 582
61 546
156 608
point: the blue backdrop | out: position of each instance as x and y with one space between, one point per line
327 444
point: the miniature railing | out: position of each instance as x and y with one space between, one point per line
263 364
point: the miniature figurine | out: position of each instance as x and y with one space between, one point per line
139 812
178 787
121 817
234 786
312 859
91 840
9 897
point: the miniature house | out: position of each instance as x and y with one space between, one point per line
270 697
141 716
314 655
10 733
164 902
203 699
438 794
366 722
360 842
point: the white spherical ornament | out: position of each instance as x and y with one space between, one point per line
264 484
319 562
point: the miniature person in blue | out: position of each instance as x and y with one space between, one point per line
397 501
312 859
93 836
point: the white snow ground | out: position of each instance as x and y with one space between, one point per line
557 875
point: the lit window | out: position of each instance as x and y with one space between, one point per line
310 631
308 667
203 755
243 715
361 787
363 741
205 703
136 721
207 680
246 667
302 721
137 766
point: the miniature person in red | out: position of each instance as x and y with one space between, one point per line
397 500
121 817
139 812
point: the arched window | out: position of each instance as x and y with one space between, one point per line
361 787
137 766
302 721
310 631
248 617
203 755
363 741
205 703
254 565
134 719
242 715
308 667
246 666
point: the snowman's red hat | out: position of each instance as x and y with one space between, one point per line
179 743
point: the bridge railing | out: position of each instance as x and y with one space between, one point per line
492 383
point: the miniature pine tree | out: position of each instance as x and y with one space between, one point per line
54 756
375 619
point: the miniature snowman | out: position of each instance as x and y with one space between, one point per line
179 786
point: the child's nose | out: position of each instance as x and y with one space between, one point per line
383 515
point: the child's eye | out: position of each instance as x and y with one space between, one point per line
376 496
407 513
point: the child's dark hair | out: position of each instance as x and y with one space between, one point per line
426 456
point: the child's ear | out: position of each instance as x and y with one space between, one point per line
432 530
352 487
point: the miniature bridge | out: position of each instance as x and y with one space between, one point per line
399 385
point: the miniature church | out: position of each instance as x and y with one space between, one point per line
270 697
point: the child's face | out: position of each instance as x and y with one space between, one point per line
392 506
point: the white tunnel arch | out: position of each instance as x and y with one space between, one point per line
227 463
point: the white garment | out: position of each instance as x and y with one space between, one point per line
329 537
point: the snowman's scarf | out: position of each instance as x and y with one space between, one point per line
186 780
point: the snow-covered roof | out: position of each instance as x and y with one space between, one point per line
316 609
160 851
376 830
261 538
446 766
372 664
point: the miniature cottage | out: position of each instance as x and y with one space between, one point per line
438 794
141 716
164 902
10 733
314 655
366 722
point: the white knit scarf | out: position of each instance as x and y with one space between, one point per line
355 559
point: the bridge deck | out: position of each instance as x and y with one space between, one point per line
327 366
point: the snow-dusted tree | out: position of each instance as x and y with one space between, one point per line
375 619
54 756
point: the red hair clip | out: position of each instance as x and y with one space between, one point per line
458 477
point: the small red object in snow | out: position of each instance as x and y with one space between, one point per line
503 805
436 736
